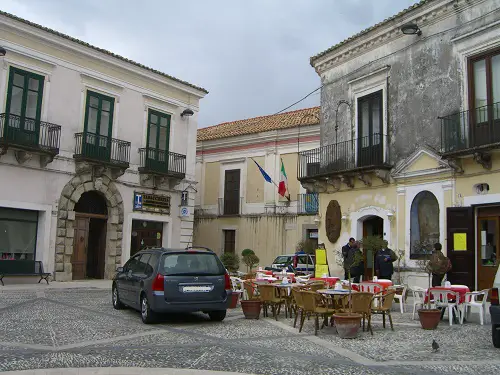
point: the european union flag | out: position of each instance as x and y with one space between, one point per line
264 174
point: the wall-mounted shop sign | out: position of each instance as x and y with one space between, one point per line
152 203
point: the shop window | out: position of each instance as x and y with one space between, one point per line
18 234
424 225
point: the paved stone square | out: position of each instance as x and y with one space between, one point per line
64 327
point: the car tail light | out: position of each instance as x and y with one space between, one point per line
158 283
227 282
494 296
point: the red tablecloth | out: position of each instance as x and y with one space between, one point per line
384 284
330 280
460 289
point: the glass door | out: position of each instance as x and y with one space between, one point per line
370 145
98 126
24 107
488 251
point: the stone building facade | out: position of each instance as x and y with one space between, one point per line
97 154
409 136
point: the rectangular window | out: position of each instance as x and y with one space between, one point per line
484 100
98 125
229 241
158 137
232 192
370 129
24 106
18 234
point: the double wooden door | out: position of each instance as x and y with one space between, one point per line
488 243
80 246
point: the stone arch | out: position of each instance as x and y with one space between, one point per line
70 195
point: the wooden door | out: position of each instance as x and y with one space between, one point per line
371 227
80 242
232 192
460 230
487 250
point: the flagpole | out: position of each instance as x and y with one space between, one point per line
288 198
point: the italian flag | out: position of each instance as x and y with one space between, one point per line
283 180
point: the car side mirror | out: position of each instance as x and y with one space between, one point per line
119 269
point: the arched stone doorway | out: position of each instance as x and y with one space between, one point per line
101 192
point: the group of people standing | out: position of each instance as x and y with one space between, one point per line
354 265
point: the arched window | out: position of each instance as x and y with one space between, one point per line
424 224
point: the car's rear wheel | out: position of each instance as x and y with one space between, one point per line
148 316
117 304
217 316
495 334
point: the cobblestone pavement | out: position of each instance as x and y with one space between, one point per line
78 328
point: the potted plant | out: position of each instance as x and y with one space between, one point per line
232 263
429 318
371 245
348 323
251 307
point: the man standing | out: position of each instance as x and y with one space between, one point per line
439 265
384 262
345 252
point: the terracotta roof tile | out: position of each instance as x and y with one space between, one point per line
302 117
387 20
57 33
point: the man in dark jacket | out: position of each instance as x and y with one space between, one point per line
345 253
384 262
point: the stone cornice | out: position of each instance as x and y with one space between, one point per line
427 15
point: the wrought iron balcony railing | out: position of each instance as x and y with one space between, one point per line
102 149
469 130
162 162
307 204
348 156
30 134
230 207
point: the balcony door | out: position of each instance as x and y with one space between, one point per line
158 139
484 73
370 140
232 192
96 143
24 107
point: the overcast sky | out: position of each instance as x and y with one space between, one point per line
252 55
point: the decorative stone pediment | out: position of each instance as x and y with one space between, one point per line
424 161
99 170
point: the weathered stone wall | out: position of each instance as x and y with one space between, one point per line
425 80
70 195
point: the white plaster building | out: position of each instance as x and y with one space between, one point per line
95 151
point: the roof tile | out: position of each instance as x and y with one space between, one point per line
302 117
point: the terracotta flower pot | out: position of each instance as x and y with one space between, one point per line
429 318
233 302
347 324
251 308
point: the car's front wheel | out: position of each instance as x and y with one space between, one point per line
148 316
495 334
217 316
117 304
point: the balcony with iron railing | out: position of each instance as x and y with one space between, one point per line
353 156
230 207
101 149
307 204
162 162
470 131
29 134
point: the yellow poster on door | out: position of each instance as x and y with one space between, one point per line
459 241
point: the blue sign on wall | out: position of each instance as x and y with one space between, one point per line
137 201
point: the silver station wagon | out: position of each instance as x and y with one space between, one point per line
162 280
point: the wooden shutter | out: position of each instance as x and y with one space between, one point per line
460 220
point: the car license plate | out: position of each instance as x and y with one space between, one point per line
197 289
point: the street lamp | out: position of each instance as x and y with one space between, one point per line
411 29
187 112
3 52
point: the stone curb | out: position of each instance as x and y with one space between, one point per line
120 371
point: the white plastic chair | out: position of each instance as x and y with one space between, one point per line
237 286
471 301
302 279
400 298
441 300
418 298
